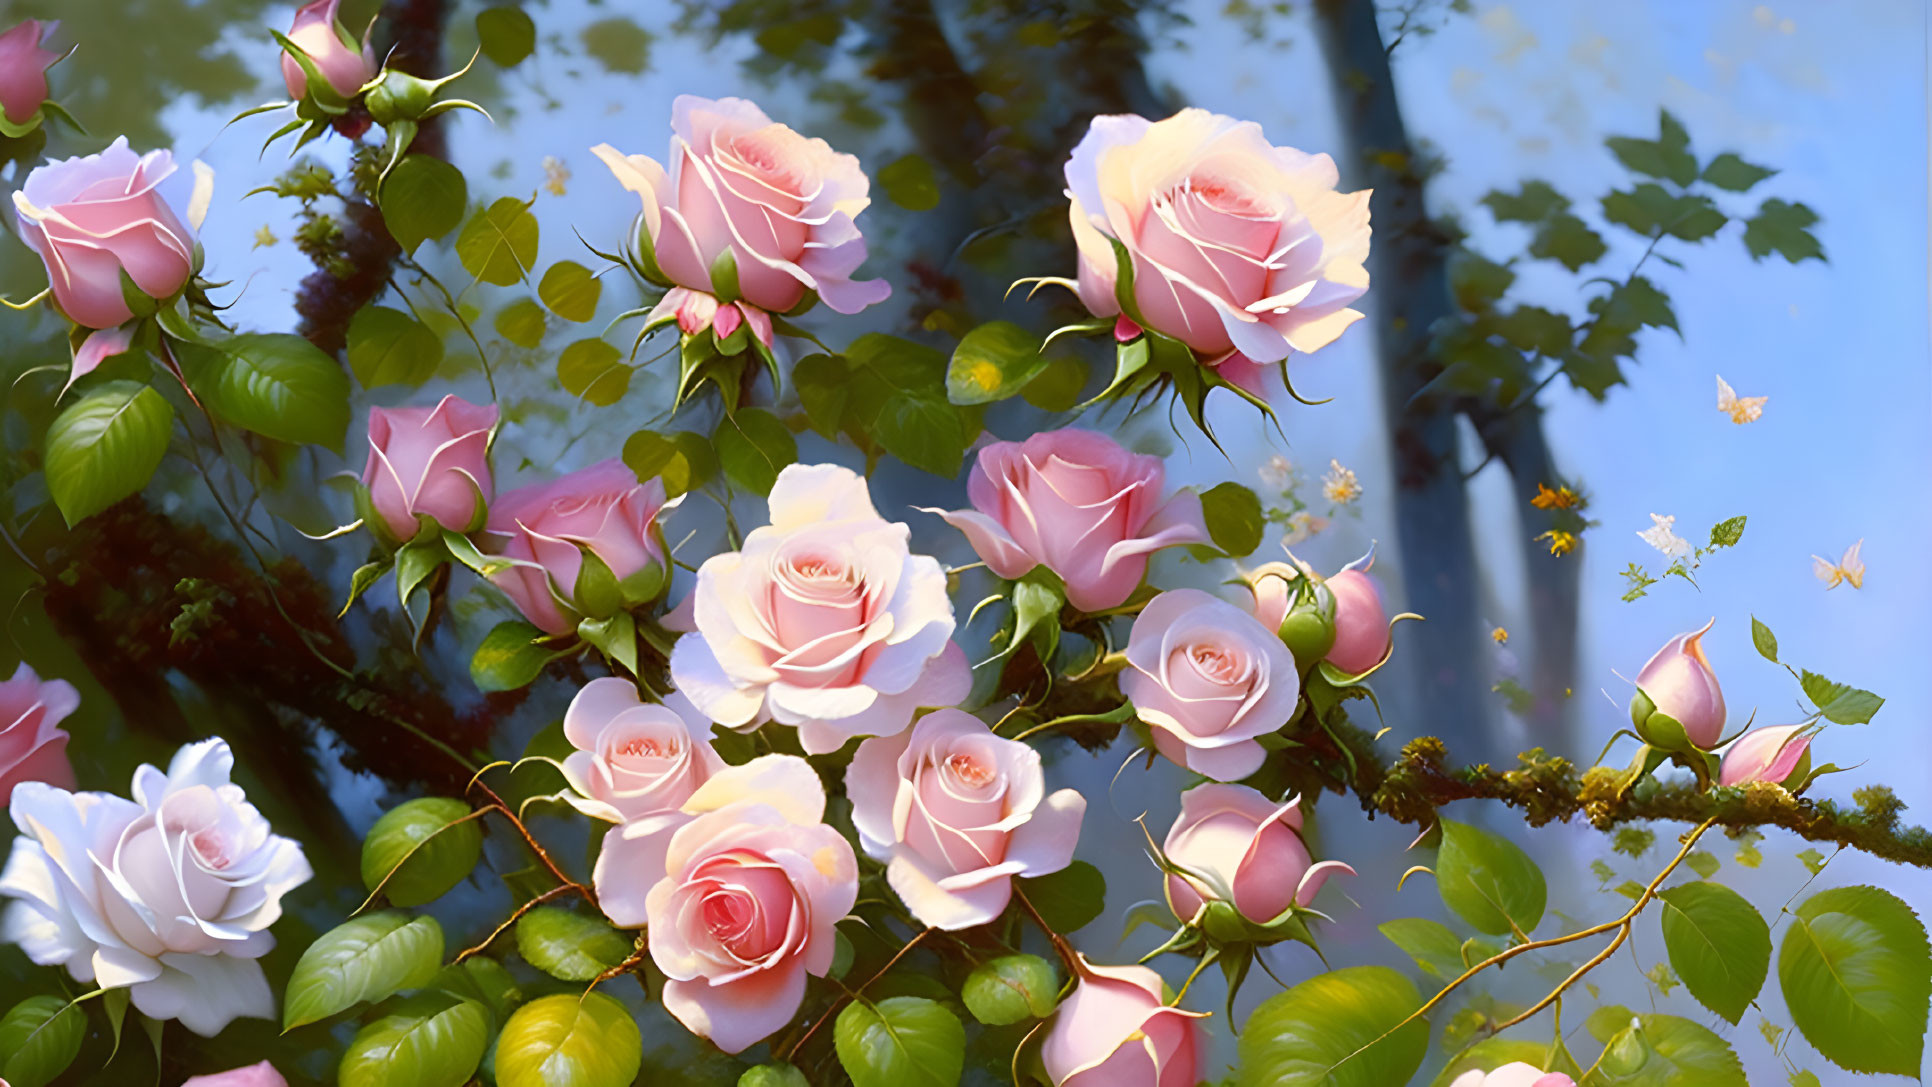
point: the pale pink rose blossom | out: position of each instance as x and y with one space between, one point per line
1513 1075
1209 680
23 70
825 620
33 747
1077 503
1238 846
433 461
1361 622
1113 1030
600 511
1241 250
1680 683
254 1075
331 48
1770 754
957 812
744 189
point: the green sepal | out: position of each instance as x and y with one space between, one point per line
596 593
1124 282
646 585
614 637
1037 600
463 550
418 559
724 276
359 582
643 256
139 301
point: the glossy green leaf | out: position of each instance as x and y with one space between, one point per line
365 959
777 1074
1839 703
521 322
897 397
105 446
1011 989
1335 1030
1058 386
39 1038
1857 975
499 244
276 384
429 1040
1233 516
510 657
429 844
594 371
1719 945
570 291
569 1041
1764 641
1434 948
909 182
422 198
568 945
484 980
821 382
391 347
992 362
753 447
1488 880
1665 1051
682 460
1069 899
904 1041
507 35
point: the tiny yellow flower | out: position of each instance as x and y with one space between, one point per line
1562 498
1500 636
1302 525
555 175
1561 543
265 237
1340 485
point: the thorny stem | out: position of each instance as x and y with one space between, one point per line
543 855
853 993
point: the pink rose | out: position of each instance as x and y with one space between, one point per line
94 218
1209 680
1077 503
824 620
23 71
744 191
331 48
32 745
1238 846
600 513
633 758
745 886
1361 622
1513 1075
1114 1031
433 461
1679 682
1780 754
255 1075
1239 249
957 812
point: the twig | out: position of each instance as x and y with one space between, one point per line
836 1004
554 892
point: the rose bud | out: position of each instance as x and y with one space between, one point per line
1361 622
1678 682
32 745
591 541
1780 754
1234 845
330 48
1113 1030
255 1075
430 462
1299 608
1077 503
1209 680
1513 1075
23 75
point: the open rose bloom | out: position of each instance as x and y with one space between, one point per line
1234 845
1210 680
1241 250
1114 1030
33 746
825 620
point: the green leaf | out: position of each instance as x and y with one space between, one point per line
510 657
682 460
1784 229
1057 388
390 347
1534 202
897 397
905 1041
594 371
1569 241
425 846
429 1040
618 44
1488 880
567 945
276 384
1838 702
1702 863
1011 989
1696 220
1070 898
821 382
1233 516
499 244
909 182
1857 975
1434 948
1608 1021
1329 1031
1638 304
422 198
1719 945
992 362
570 291
1728 532
1478 282
1037 600
1665 1051
1731 173
753 447
39 1038
482 979
506 34
365 959
416 561
105 446
1533 328
1667 157
521 323
1804 1078
776 1074
569 1041
1765 641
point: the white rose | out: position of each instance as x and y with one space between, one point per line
169 895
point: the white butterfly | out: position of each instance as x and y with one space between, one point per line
1742 409
1849 569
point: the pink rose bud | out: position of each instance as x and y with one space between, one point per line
255 1075
1237 846
432 462
1780 754
1077 503
32 745
1678 682
957 812
1113 1030
99 218
694 309
576 529
23 71
1513 1075
331 48
1208 680
1361 622
742 191
1297 607
1242 250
